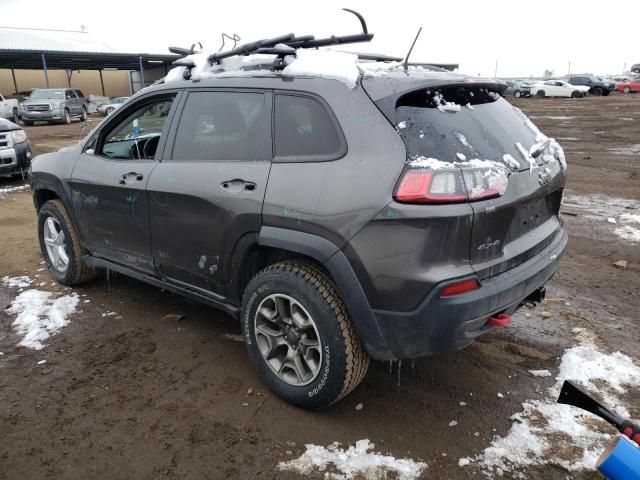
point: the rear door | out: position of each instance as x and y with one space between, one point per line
209 192
489 141
109 179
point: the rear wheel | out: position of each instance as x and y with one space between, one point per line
60 246
597 91
540 93
517 94
299 335
626 89
109 110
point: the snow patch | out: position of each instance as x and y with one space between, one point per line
7 190
355 461
19 282
540 373
39 315
548 433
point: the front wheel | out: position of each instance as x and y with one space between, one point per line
576 94
627 90
109 110
15 118
28 123
67 117
60 246
596 91
517 94
83 115
299 335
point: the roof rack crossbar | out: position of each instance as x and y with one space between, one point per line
333 40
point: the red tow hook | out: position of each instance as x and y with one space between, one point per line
500 320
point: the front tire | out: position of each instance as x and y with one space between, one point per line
596 91
576 94
67 117
60 245
627 90
83 115
517 94
15 118
28 123
109 110
299 335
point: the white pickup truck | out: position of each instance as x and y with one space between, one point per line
9 109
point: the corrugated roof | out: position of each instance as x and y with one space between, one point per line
58 41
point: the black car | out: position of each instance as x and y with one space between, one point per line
339 210
596 86
516 88
15 149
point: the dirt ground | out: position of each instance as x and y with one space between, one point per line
132 396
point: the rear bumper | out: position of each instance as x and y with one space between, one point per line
439 324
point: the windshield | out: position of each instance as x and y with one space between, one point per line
465 124
47 94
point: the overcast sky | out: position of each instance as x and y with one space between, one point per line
525 37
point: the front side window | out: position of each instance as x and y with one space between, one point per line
70 95
138 134
304 129
224 126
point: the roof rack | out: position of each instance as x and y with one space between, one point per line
278 46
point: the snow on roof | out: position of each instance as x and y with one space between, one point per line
56 41
323 63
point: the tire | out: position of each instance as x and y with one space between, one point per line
540 93
626 89
109 110
339 361
28 123
75 272
517 94
596 91
576 94
83 115
67 117
15 118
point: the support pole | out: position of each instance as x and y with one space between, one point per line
44 66
130 83
101 82
69 73
15 84
141 73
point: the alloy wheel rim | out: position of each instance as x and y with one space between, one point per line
55 244
288 339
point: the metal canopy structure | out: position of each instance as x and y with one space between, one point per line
46 49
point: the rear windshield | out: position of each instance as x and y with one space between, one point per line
462 123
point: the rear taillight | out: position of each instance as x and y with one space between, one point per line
453 185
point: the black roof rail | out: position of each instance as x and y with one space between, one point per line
251 47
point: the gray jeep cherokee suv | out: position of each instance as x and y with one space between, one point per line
394 215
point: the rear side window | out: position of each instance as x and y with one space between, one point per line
224 126
305 130
457 123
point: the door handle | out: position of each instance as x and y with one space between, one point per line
238 185
130 177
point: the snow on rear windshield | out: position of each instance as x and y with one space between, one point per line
473 122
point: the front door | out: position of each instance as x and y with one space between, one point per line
109 180
209 191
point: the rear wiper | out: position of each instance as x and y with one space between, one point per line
541 148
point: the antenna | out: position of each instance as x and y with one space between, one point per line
406 60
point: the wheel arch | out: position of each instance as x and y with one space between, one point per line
274 244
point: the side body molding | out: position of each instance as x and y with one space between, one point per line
345 278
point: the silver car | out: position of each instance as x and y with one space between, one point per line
113 104
53 105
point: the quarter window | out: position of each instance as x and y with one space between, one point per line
304 130
224 126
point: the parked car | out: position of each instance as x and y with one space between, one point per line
9 108
15 149
113 104
22 95
54 105
517 89
630 86
331 239
558 88
596 85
